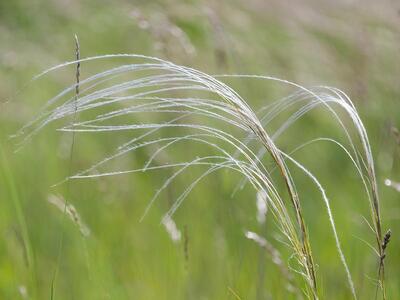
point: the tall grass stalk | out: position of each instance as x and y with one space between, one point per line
239 138
68 209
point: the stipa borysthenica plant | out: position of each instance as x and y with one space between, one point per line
202 109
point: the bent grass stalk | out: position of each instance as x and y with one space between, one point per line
215 120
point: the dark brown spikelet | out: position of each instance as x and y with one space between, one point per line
386 240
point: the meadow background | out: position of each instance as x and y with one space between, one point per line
352 45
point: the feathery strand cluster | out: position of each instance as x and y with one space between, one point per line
217 117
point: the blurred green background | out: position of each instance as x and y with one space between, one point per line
352 45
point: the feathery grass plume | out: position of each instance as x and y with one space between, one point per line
262 206
217 117
396 134
170 38
393 184
23 291
172 229
237 297
71 212
276 259
218 35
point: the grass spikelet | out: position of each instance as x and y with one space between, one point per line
276 259
70 211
